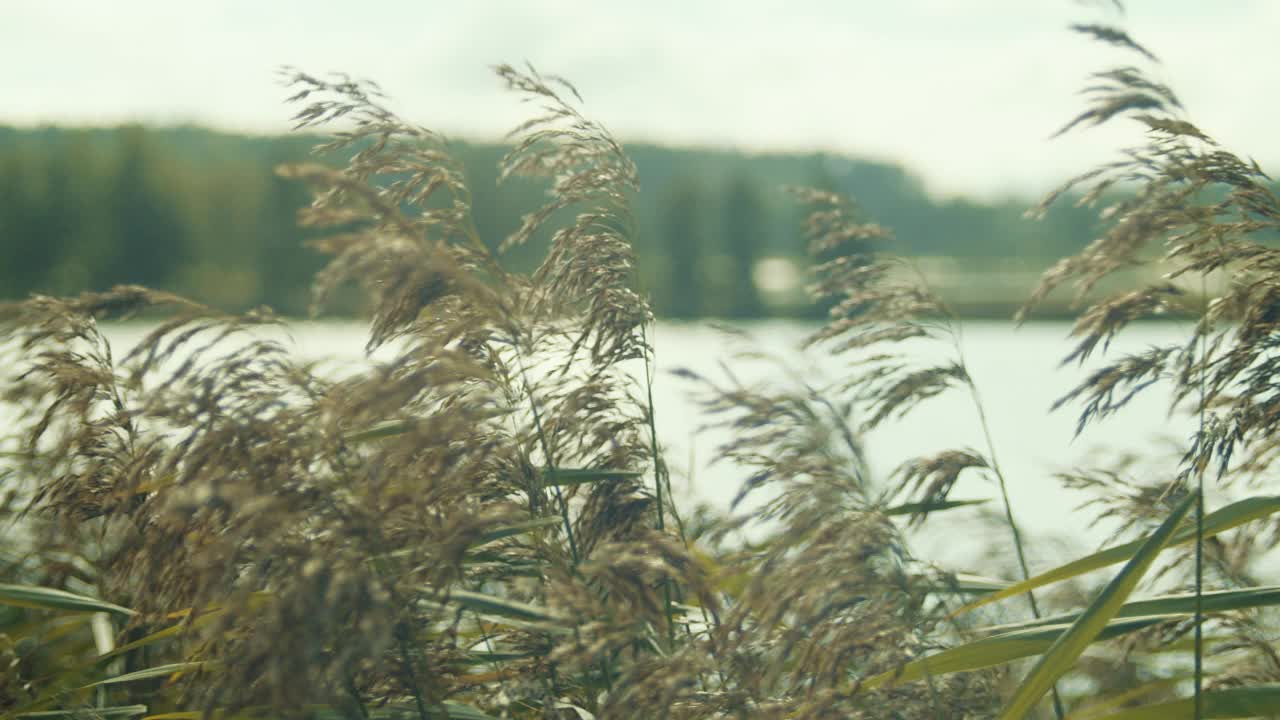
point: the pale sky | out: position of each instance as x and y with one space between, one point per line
963 92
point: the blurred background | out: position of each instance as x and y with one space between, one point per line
137 138
137 141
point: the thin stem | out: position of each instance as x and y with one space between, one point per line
564 508
1004 493
484 635
1199 619
710 621
407 666
1058 710
376 548
535 489
355 696
934 701
546 451
1199 622
956 330
657 486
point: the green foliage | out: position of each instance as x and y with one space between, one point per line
1094 620
744 232
214 223
1243 702
684 238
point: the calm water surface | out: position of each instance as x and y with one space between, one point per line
1017 372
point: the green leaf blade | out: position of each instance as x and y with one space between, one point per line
42 598
1242 702
1068 648
1182 604
121 711
579 476
1219 521
382 431
149 673
502 607
1000 649
930 506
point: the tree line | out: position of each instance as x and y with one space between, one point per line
201 213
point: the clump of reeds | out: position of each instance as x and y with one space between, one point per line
481 524
1201 213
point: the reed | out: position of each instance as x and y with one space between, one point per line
479 524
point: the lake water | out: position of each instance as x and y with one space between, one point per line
1017 372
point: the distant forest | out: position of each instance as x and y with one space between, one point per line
201 213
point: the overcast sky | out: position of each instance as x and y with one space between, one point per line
964 92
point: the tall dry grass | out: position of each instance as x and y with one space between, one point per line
481 525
